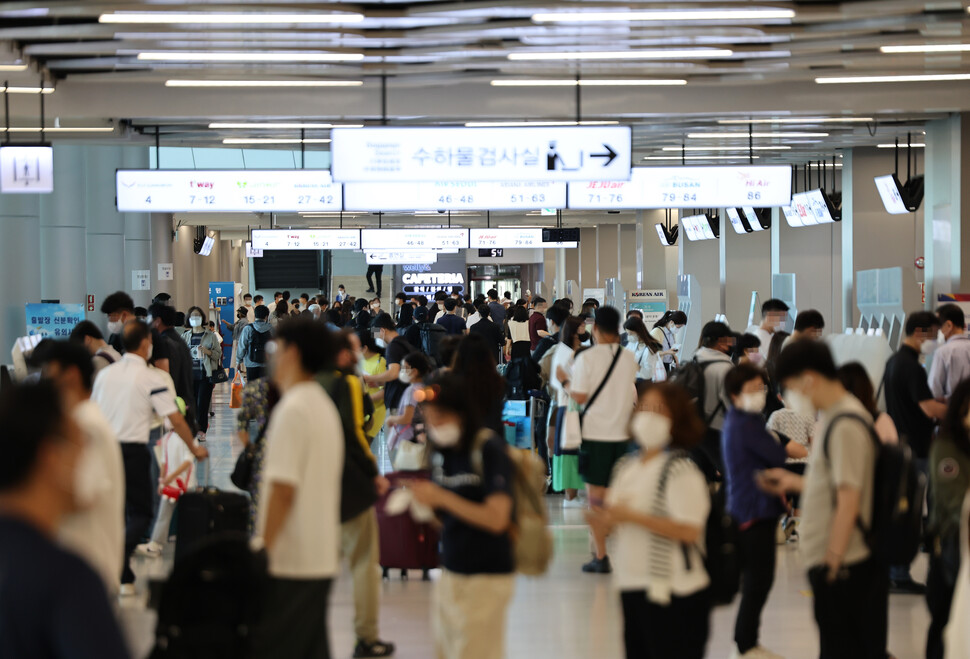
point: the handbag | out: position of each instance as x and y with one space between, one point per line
242 473
409 456
219 376
572 435
236 391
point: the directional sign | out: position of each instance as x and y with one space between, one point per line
687 187
454 195
200 191
26 169
420 239
306 239
571 153
511 238
403 256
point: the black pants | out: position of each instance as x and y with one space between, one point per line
137 459
652 631
940 585
254 373
294 621
203 399
758 549
707 455
376 270
852 612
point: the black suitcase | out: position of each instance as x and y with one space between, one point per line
209 512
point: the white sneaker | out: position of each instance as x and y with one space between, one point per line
127 590
757 652
149 549
573 503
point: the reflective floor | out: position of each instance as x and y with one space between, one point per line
564 614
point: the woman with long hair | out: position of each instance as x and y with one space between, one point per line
281 312
856 381
475 361
565 463
517 340
646 350
471 493
665 333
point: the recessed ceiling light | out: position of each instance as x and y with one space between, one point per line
901 146
778 147
13 68
253 18
669 53
26 90
728 136
928 48
665 15
59 129
273 140
281 126
263 83
799 120
215 56
540 82
517 124
737 157
929 77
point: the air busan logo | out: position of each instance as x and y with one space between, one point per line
680 183
206 185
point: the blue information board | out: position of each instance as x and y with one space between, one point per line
53 320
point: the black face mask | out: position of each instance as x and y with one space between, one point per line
583 338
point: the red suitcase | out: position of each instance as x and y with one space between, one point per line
406 544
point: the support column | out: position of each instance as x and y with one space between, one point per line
19 263
138 234
63 257
846 227
105 227
639 263
560 273
161 235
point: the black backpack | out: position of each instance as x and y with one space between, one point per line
431 335
897 499
257 346
721 559
210 605
690 376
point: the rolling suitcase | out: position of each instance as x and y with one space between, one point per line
406 544
209 512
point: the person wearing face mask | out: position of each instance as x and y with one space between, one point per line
130 395
373 363
748 448
405 424
849 584
646 350
471 493
88 335
375 306
949 483
657 509
716 344
951 361
774 317
665 331
206 358
565 464
52 603
248 306
96 530
748 350
119 308
913 408
396 349
808 325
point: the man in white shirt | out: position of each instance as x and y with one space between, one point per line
603 381
277 296
130 394
96 530
951 361
248 306
774 316
299 511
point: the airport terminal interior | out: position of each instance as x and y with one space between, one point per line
713 169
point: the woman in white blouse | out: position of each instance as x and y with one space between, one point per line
647 351
565 464
657 507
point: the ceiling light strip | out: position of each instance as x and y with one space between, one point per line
665 15
732 136
274 140
533 124
683 53
551 82
280 126
798 120
263 83
215 56
929 77
59 129
225 18
742 149
26 90
928 48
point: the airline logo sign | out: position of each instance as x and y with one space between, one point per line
570 153
687 187
220 191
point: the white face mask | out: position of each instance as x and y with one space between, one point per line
799 403
88 480
755 357
115 326
381 343
446 435
195 321
753 403
151 350
651 430
929 346
404 376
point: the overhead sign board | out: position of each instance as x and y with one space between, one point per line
511 238
569 153
421 239
687 187
219 191
892 198
811 208
401 256
453 195
26 169
306 239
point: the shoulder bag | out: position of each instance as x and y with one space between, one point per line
572 435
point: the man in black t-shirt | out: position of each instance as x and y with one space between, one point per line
491 330
397 348
52 604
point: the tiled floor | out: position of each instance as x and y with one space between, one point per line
563 615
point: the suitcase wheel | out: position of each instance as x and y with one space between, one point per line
386 573
404 575
425 574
